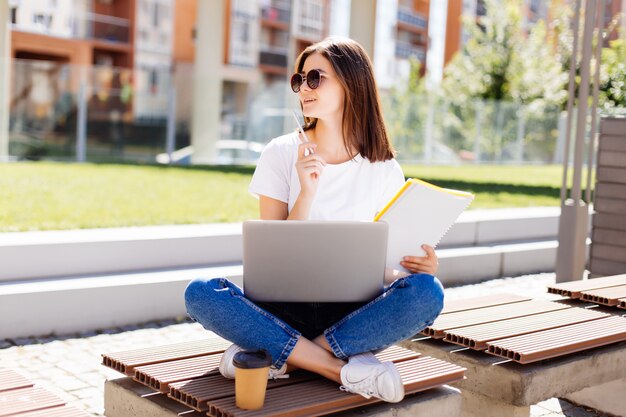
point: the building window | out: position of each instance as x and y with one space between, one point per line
154 81
42 20
14 15
155 15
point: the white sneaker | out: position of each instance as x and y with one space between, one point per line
365 375
227 368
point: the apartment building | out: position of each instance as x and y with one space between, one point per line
81 32
401 34
261 40
112 45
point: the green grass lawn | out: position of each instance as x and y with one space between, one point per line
48 196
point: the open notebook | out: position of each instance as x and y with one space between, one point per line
420 213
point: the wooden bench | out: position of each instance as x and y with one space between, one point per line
183 378
19 397
519 351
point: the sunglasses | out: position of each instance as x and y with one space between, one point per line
313 79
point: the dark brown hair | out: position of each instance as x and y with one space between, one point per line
363 124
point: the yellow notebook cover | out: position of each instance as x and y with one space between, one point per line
420 213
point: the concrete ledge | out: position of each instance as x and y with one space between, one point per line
103 251
608 398
120 250
69 305
479 263
466 265
524 385
528 258
124 397
91 302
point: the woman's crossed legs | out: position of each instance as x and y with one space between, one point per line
405 307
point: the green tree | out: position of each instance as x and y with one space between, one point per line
404 113
612 92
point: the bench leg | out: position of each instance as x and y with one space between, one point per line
608 398
477 405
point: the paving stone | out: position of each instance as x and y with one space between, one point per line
538 411
555 405
87 393
70 383
94 379
52 373
75 368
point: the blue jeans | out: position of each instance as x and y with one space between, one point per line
402 310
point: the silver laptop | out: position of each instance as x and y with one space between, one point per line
313 261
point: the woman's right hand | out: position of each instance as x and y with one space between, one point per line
309 169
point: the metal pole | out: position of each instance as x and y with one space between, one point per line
573 223
521 127
594 108
170 137
429 126
583 97
570 101
5 69
81 128
479 115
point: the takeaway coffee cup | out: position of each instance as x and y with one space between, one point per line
251 372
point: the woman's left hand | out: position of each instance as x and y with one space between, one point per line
422 264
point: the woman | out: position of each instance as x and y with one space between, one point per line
345 172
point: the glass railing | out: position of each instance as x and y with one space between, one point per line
108 28
435 129
273 56
66 112
409 17
82 26
406 50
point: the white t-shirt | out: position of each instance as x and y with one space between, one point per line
354 190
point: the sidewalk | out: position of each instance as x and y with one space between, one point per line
69 365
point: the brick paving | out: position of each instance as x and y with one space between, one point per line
69 365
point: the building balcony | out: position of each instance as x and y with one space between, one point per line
406 50
84 26
273 56
412 19
309 20
108 28
276 14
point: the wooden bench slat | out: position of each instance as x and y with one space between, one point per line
62 411
489 314
561 341
322 396
481 302
195 393
198 393
126 361
10 379
573 289
476 337
160 375
22 400
609 296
